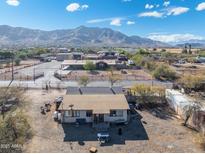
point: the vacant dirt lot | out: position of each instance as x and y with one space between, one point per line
145 133
104 75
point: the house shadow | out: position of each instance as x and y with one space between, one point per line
160 110
131 132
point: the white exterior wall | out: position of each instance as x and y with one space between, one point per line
107 118
177 101
73 119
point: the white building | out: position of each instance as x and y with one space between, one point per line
106 108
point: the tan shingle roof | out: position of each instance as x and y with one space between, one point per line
94 102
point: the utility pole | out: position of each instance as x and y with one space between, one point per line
12 69
34 72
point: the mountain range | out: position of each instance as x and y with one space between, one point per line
79 37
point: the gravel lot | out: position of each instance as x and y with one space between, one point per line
145 133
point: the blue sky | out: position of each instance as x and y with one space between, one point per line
164 20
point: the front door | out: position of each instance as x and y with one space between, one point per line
101 118
98 118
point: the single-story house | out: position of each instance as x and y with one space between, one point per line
100 64
63 56
108 54
77 55
94 109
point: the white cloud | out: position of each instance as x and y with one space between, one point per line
148 6
13 2
166 3
201 6
174 38
76 7
73 7
130 22
85 6
126 0
98 20
177 10
116 22
105 19
154 14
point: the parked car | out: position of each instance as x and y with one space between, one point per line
103 137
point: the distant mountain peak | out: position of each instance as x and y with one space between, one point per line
80 36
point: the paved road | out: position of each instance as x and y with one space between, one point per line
49 68
41 83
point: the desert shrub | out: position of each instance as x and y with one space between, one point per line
84 80
14 131
191 82
139 60
150 65
8 64
165 73
1 66
17 61
113 78
143 51
146 92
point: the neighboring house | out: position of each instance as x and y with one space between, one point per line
178 101
108 54
62 50
77 55
94 105
91 57
63 56
100 64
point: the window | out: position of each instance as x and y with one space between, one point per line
72 113
120 113
113 113
76 113
68 114
116 113
89 113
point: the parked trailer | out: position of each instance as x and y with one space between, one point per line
177 101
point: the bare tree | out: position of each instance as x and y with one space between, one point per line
84 80
113 78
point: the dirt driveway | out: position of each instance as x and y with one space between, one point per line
145 133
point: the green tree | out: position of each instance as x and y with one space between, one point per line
17 61
89 66
138 60
113 78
